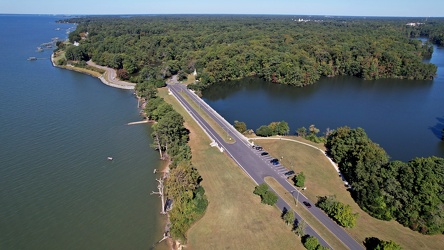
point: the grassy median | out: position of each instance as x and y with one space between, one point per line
219 130
235 218
322 179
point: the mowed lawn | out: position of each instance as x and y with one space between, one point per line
235 218
322 179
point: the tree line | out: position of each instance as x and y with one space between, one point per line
410 192
275 48
182 184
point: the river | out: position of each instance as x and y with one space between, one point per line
57 188
405 117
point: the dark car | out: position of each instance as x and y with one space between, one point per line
307 204
275 163
289 173
264 153
274 160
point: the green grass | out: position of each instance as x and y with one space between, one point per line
322 179
219 130
235 218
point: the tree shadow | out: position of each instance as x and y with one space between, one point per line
371 243
438 129
284 211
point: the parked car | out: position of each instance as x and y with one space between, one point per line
307 204
275 163
289 173
274 160
258 147
264 153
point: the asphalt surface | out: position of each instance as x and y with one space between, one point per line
110 78
256 166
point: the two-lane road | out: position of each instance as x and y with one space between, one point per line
254 165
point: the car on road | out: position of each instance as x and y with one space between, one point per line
289 173
264 153
307 204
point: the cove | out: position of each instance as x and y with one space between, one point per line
405 117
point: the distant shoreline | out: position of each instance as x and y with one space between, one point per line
104 78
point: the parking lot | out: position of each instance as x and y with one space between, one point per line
271 161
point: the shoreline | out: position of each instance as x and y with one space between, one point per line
102 77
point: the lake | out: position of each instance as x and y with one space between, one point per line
405 117
57 188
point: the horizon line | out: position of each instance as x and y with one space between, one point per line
216 14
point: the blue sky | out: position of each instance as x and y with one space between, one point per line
422 8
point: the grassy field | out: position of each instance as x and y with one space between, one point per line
322 179
235 218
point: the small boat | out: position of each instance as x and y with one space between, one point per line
39 49
110 158
32 58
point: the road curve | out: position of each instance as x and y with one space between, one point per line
254 165
110 78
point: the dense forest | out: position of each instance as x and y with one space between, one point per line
281 49
410 192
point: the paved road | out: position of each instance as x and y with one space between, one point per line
110 77
256 166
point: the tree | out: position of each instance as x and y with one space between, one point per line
300 228
267 197
263 131
302 132
282 128
373 243
310 242
240 126
299 180
340 212
122 74
289 217
261 189
313 130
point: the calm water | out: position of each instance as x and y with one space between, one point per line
404 117
57 189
